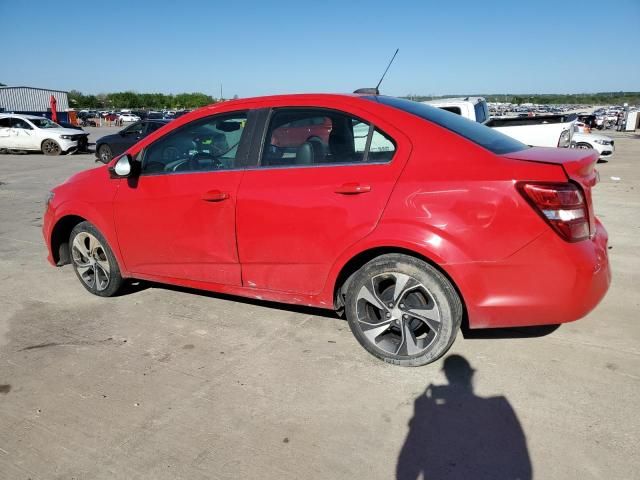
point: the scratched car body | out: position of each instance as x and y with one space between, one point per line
406 218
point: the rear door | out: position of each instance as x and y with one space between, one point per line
6 134
305 204
24 135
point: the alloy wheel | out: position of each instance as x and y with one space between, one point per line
90 260
105 154
49 147
397 314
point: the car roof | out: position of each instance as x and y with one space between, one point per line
19 115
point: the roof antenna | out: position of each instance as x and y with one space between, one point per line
375 91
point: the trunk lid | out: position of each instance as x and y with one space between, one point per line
578 164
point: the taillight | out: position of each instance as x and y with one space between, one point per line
562 205
565 139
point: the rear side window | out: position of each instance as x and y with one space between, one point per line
479 134
153 126
5 122
20 123
299 137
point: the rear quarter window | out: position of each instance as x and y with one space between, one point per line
479 134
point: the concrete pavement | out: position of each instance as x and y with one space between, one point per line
163 383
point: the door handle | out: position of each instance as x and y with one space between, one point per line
214 196
352 188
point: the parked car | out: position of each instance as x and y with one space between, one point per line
537 131
453 220
30 132
601 143
128 117
110 145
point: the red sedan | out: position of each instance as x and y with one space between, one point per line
422 220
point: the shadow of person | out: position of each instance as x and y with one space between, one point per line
455 434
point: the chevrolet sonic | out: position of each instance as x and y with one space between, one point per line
406 218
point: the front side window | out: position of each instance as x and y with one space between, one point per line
300 136
44 123
203 145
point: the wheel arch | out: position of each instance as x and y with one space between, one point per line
67 216
60 238
358 260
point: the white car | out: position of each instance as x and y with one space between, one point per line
30 132
129 117
603 144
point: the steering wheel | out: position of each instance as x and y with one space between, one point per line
154 167
194 162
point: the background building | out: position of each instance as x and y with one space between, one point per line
33 101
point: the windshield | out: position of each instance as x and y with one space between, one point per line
486 137
44 123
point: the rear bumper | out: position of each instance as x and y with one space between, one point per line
549 281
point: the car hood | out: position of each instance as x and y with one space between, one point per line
85 175
63 131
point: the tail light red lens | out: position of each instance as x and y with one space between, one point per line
562 205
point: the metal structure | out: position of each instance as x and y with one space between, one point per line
33 101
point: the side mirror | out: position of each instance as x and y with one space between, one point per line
122 168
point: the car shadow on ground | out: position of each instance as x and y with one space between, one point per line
455 434
135 286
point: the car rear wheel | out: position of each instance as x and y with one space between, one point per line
93 260
105 154
402 310
51 147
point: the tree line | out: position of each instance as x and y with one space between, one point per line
601 98
153 101
156 101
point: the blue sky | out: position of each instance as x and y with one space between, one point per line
265 47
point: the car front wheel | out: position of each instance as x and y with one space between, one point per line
403 310
93 260
51 147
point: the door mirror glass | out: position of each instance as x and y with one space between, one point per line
122 167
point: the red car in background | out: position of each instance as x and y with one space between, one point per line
303 130
443 219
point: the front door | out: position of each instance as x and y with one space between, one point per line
177 219
309 201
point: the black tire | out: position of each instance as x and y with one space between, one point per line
104 153
583 145
93 261
50 147
417 324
